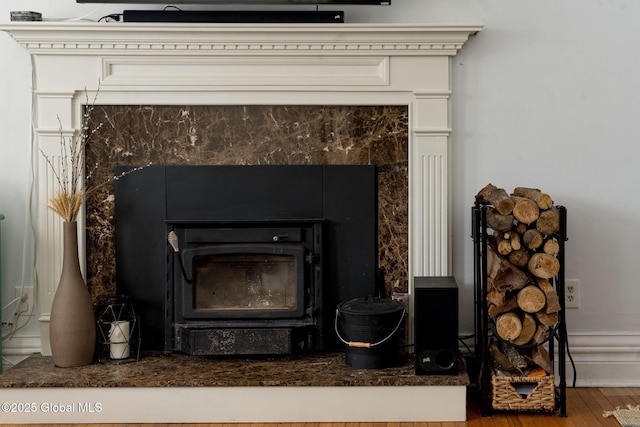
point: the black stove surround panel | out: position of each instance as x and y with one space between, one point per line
265 254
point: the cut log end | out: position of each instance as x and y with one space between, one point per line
508 326
526 210
544 266
532 239
531 299
551 247
549 222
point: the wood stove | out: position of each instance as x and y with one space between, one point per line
248 288
245 260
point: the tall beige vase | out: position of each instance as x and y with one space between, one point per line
72 326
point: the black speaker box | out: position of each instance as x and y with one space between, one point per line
436 325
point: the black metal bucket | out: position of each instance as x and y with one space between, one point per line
369 328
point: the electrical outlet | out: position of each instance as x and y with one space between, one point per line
25 305
6 326
572 293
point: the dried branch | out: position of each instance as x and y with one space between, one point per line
69 198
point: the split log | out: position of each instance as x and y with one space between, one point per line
494 296
551 296
541 335
510 303
547 319
501 201
551 246
494 264
483 195
525 210
508 326
541 357
544 266
549 221
519 258
510 278
531 299
500 360
490 284
497 221
543 200
532 239
505 275
529 327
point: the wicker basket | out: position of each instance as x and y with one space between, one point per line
506 398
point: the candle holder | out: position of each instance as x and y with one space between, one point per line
118 331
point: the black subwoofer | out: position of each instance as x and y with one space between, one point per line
436 325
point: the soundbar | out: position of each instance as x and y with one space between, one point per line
228 16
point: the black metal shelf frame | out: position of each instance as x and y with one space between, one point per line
482 327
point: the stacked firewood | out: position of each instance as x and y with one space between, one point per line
522 303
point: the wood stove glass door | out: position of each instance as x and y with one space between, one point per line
244 281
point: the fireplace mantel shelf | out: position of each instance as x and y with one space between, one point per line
207 39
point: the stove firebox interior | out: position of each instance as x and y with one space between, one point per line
258 258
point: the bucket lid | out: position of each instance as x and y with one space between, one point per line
370 305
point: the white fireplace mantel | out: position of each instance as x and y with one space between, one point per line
242 64
178 64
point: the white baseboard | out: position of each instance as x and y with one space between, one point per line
605 360
19 348
21 345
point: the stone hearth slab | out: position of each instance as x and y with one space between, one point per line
167 388
176 370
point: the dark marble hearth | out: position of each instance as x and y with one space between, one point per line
176 370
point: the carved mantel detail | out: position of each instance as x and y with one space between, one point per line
206 39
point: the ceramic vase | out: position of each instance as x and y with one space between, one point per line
72 327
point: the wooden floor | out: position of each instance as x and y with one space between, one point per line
584 407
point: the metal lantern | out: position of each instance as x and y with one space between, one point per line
118 331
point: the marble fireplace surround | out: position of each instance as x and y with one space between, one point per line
200 64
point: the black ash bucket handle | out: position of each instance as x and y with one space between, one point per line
360 344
